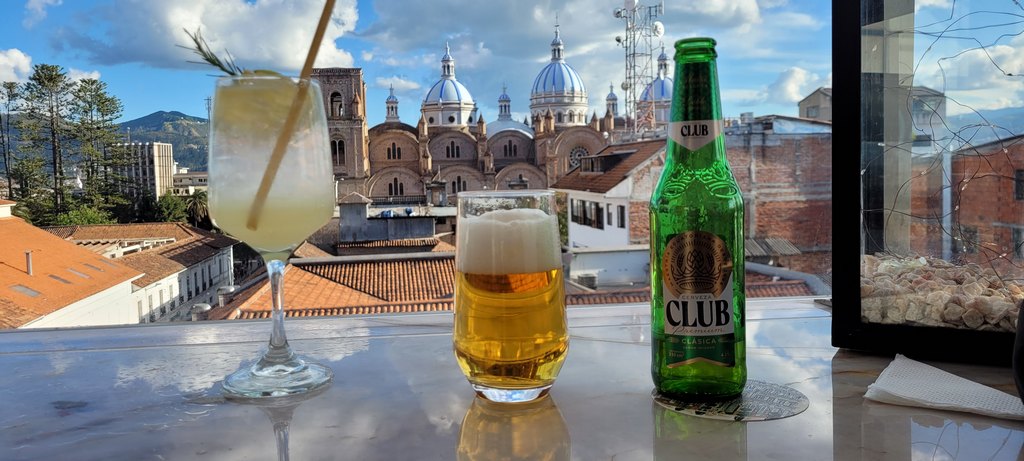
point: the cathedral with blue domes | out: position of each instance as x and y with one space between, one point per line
451 148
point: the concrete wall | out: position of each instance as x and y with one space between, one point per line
112 306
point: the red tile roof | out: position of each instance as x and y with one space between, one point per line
413 245
630 156
63 273
191 245
421 282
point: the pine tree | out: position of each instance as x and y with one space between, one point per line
9 95
44 121
101 157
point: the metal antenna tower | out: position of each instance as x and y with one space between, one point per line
641 30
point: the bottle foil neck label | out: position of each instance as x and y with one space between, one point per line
695 134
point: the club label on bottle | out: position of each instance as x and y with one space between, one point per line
695 134
697 290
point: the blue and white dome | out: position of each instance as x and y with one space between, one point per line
448 102
660 89
560 89
504 121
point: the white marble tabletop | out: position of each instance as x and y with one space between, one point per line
153 393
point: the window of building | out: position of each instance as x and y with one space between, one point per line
458 185
576 154
812 112
1018 184
337 109
622 217
338 151
396 187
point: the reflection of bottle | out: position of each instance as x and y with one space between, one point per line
532 431
676 434
697 300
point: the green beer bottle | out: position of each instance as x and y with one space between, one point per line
697 288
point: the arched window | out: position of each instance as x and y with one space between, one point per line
515 150
505 148
338 151
558 118
451 151
396 188
398 153
337 107
458 185
394 152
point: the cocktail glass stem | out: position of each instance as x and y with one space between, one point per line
279 350
279 372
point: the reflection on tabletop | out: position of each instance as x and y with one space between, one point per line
532 431
901 432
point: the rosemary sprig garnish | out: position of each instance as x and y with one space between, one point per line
202 49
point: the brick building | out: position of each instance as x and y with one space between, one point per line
985 206
783 166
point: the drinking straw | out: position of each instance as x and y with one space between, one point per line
289 123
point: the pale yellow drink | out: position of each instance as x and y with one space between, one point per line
510 325
250 115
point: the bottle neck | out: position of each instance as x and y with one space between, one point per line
696 124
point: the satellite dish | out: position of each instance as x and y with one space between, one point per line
625 85
658 29
630 4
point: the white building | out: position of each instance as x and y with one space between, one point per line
186 183
181 265
52 283
152 167
608 194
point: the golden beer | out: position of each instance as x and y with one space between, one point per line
510 336
510 331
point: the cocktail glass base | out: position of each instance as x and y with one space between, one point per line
511 395
263 379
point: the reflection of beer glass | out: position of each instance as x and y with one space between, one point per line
510 327
533 431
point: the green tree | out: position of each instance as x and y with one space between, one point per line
197 207
102 159
35 200
170 208
84 214
43 121
9 96
146 209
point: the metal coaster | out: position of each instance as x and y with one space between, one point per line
760 401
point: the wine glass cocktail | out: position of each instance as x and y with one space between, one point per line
249 116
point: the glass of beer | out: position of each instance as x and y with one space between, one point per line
510 326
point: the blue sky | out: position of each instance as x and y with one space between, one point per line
772 52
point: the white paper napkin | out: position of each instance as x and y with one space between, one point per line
911 383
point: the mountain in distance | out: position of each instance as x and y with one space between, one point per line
189 135
973 127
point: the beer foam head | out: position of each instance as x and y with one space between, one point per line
516 241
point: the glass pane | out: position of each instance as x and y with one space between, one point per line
942 163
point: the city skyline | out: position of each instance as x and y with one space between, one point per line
772 52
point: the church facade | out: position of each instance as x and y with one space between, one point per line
451 148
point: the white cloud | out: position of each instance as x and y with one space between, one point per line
794 84
35 11
738 14
772 3
267 34
15 66
932 3
367 56
77 74
399 83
